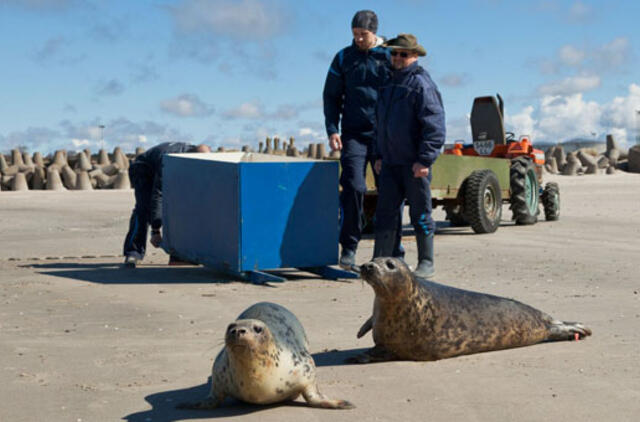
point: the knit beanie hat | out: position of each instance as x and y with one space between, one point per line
365 19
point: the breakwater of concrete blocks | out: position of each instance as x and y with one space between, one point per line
81 170
590 161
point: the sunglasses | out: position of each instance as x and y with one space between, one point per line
402 54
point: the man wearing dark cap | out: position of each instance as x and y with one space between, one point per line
350 95
411 131
146 177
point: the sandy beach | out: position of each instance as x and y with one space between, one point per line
82 339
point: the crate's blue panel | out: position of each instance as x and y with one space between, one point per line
289 214
201 210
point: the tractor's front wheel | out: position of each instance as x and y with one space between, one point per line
524 191
551 201
483 201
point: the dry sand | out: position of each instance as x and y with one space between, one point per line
83 340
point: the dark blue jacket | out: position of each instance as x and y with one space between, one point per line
351 91
411 125
152 160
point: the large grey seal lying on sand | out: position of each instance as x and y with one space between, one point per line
265 360
414 319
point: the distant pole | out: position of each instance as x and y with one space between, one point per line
101 136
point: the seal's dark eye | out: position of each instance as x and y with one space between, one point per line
391 265
257 329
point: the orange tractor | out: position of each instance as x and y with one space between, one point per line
478 201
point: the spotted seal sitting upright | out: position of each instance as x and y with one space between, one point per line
265 360
414 319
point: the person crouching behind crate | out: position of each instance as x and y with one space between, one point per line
411 132
145 174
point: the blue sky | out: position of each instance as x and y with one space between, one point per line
231 72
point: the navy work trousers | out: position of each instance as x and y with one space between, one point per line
141 176
397 184
354 158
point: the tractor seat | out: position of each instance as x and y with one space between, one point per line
487 121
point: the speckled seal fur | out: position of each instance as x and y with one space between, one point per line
414 319
265 360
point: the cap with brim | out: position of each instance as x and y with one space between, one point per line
406 42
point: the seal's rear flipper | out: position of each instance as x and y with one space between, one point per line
561 330
316 399
368 325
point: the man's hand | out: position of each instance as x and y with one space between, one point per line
335 143
377 166
156 239
419 170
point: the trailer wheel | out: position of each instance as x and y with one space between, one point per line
524 191
483 201
551 201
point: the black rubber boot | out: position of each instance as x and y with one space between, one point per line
385 243
425 268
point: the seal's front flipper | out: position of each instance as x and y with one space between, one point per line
368 325
375 354
560 330
206 404
316 399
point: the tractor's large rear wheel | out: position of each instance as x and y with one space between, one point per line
483 201
551 201
524 191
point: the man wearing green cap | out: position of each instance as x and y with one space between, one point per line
350 94
411 132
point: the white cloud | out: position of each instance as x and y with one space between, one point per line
570 55
570 85
110 87
80 142
580 12
562 117
186 105
248 110
454 79
614 54
249 20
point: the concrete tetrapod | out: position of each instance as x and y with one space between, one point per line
561 158
572 166
60 159
69 177
26 158
634 159
37 159
122 180
53 179
19 182
103 158
83 162
320 152
83 181
16 157
38 181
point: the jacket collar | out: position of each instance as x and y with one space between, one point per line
404 72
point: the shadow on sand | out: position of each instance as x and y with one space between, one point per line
163 404
115 273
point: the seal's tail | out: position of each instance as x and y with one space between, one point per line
562 330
